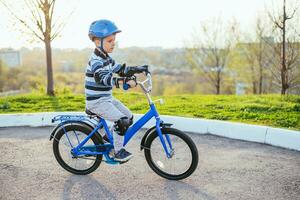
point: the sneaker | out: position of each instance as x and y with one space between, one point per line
122 155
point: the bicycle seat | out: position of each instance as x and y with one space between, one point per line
90 113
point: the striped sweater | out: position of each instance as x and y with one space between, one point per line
99 76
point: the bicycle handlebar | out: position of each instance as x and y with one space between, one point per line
149 81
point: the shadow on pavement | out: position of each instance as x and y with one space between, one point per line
85 187
178 190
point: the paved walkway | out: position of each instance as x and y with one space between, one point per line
228 169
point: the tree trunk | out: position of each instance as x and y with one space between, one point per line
260 79
283 62
254 82
50 83
254 87
218 82
260 67
217 89
1 82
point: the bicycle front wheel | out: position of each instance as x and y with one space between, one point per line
184 154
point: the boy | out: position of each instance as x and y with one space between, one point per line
99 81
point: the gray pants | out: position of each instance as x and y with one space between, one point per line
112 110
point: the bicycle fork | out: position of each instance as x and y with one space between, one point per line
166 142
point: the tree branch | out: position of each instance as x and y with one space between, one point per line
272 18
292 15
52 4
21 21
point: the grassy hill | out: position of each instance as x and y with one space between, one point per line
271 110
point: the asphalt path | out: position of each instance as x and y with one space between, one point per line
228 169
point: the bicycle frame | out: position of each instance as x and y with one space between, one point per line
129 134
80 149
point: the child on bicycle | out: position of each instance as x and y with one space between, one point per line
100 78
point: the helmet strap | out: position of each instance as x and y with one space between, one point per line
101 48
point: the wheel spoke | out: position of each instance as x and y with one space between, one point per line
76 136
65 143
182 162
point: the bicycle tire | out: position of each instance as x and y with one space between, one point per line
83 129
189 142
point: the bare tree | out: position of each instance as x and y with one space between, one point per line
210 50
1 76
41 25
252 64
257 53
286 46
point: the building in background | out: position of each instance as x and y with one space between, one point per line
240 88
10 57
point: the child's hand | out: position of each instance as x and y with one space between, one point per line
131 83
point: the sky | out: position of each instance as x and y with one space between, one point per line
144 23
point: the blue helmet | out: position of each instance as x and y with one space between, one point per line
102 28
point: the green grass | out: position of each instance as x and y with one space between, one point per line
271 110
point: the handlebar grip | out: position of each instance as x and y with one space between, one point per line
126 86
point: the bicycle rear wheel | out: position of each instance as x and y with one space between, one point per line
184 159
63 143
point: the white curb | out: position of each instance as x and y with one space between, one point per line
283 138
254 133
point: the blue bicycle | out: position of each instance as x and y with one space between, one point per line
79 146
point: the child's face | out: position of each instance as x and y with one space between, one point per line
108 43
